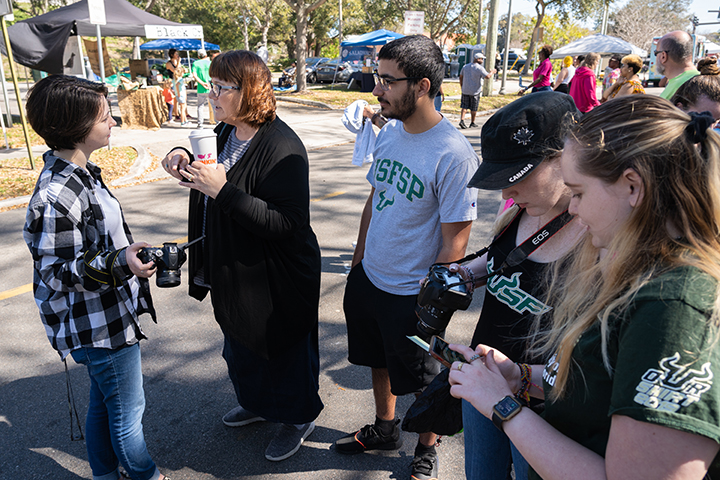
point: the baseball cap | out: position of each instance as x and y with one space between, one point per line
202 52
519 136
478 55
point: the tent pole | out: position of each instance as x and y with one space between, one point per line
82 57
5 96
8 47
101 57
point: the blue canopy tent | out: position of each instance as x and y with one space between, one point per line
178 44
358 47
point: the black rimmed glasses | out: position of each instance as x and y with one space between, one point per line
217 89
660 51
385 82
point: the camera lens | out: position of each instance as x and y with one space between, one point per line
168 278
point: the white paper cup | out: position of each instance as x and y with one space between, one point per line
203 142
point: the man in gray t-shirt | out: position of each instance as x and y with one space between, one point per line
471 78
419 212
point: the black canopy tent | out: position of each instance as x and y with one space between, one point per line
40 42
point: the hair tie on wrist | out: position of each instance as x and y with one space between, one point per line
697 128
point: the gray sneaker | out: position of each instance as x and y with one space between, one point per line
287 441
238 417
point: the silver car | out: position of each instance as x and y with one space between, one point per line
326 71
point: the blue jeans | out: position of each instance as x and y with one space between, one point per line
488 451
438 102
547 88
113 427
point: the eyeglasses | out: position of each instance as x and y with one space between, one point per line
385 82
660 51
217 89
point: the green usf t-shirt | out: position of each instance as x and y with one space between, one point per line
664 356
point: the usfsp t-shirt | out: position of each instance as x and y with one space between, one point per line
664 356
420 182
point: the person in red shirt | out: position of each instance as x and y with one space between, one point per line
543 72
583 88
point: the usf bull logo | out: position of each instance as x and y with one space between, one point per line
673 385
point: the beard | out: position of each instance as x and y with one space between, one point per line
404 109
660 68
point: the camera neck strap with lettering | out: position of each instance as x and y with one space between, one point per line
520 253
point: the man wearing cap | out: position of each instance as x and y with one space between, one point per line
201 72
612 72
419 212
674 59
471 77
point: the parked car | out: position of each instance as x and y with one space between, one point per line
515 61
325 71
311 64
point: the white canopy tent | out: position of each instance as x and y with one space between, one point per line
711 47
604 45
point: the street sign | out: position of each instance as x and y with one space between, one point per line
414 22
173 31
97 12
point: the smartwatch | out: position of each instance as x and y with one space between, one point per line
504 410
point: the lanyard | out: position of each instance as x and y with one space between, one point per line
520 253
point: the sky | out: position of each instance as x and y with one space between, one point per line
697 7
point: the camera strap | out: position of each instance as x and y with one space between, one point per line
520 253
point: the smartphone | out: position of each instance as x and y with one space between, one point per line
440 350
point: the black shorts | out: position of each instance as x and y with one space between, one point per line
377 324
469 102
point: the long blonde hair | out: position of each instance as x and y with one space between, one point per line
681 181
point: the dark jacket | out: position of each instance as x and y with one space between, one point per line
260 255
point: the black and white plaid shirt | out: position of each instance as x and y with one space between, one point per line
82 283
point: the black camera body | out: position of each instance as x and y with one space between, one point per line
168 259
442 293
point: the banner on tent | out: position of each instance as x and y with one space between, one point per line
352 54
91 48
172 31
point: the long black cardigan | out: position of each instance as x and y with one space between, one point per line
260 254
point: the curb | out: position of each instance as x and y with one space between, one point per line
302 101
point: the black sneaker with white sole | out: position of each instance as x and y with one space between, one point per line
369 438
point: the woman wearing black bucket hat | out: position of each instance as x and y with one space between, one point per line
520 156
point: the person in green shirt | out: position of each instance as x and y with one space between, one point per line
201 72
674 59
632 340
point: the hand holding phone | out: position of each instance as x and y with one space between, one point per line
440 350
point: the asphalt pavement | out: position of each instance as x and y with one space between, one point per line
186 384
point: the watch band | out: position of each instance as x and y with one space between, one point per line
504 410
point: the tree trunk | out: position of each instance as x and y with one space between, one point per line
533 40
301 47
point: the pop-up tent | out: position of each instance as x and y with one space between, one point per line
603 45
184 44
39 42
378 37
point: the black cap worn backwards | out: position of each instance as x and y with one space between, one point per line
521 135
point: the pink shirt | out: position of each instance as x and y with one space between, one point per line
545 68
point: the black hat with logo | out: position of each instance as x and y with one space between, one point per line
519 136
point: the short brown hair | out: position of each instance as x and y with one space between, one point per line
63 109
250 73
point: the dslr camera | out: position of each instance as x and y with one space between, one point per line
168 259
442 293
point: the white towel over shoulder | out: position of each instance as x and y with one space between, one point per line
365 141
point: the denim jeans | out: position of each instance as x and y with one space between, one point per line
547 88
438 102
488 451
113 428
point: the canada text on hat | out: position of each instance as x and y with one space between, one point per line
478 55
519 136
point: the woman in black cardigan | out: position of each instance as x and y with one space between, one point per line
260 259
